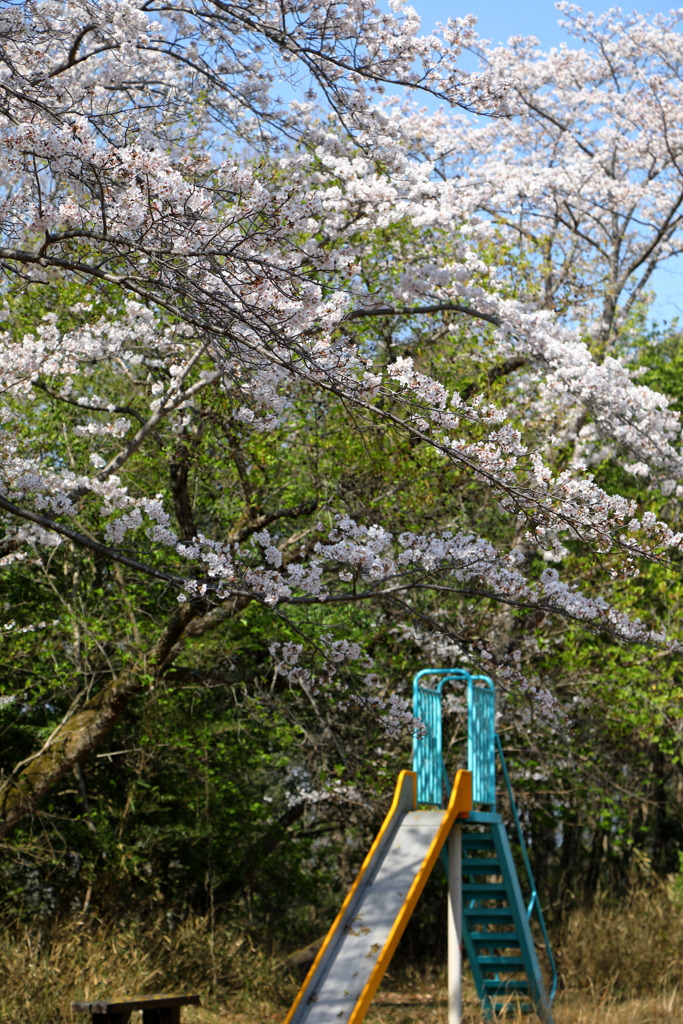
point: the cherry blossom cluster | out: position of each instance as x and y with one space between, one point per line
637 421
215 242
356 562
586 180
393 711
302 791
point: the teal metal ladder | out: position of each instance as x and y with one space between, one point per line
496 920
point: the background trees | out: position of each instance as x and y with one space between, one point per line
299 398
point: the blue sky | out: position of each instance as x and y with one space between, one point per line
498 20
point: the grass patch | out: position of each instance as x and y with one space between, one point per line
632 950
618 965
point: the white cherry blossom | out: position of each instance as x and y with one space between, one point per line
124 160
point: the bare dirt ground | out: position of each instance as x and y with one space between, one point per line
429 1007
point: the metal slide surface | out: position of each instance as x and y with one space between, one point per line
359 946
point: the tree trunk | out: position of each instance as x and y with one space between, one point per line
87 728
73 741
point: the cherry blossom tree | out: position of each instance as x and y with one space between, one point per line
152 160
587 179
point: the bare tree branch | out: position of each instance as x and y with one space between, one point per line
439 307
89 542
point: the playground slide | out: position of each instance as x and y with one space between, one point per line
357 950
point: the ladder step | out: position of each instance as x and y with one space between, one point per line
487 863
500 914
504 967
501 963
484 888
483 841
505 985
495 940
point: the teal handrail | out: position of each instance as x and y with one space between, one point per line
427 746
534 902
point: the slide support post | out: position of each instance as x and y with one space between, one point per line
455 925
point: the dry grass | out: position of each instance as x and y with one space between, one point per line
633 950
41 972
618 966
574 1009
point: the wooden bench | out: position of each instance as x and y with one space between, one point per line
155 1009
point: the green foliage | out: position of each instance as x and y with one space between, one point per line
225 790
